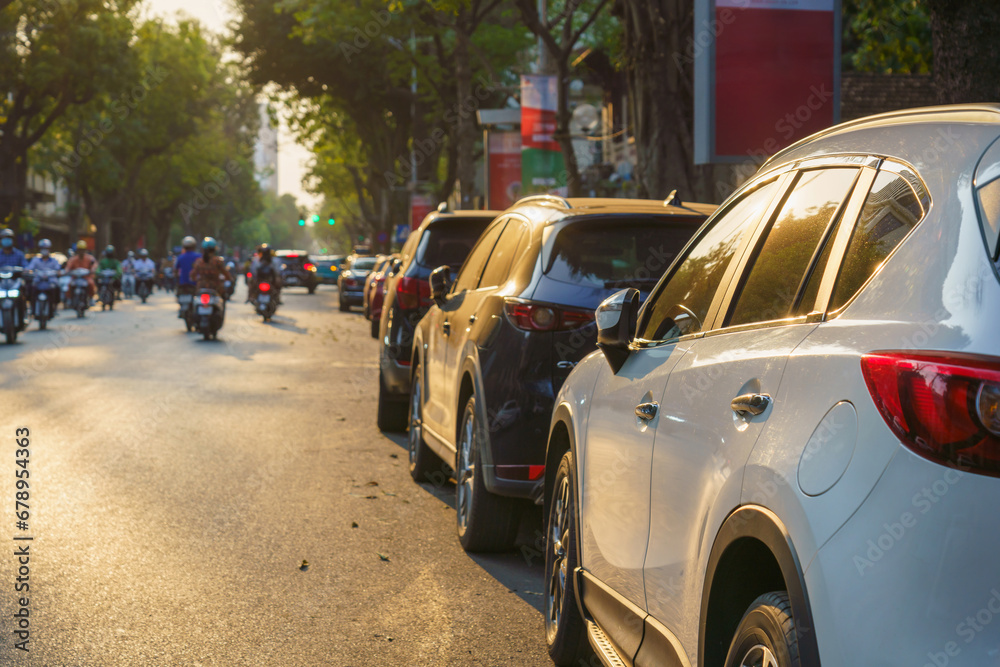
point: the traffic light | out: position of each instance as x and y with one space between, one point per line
331 221
315 218
302 222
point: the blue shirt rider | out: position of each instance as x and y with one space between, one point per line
9 255
184 264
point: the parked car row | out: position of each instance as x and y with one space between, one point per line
777 439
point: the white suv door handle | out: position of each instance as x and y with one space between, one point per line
646 411
753 404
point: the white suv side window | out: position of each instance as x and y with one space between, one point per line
681 305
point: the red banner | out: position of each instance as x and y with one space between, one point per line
505 169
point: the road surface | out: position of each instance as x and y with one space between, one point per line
233 503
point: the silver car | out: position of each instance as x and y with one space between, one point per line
789 455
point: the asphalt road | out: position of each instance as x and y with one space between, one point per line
178 486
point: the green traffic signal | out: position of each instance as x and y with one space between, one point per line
315 218
302 223
331 221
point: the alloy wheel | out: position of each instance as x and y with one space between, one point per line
559 539
759 656
416 423
466 473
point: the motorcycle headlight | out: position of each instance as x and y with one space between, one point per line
3 294
13 293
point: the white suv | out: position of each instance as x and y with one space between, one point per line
789 455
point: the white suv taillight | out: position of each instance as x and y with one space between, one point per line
943 406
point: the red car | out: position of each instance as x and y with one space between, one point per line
375 289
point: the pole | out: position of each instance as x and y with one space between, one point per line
543 56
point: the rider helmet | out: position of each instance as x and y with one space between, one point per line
45 246
131 254
209 243
188 243
109 251
144 253
81 245
264 251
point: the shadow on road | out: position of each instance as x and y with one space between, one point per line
521 570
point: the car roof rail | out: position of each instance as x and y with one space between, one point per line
672 199
555 199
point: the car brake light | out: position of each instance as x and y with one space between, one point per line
538 317
944 407
265 287
205 298
413 293
249 275
309 266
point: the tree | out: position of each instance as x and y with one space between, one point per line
660 72
560 32
54 54
966 60
171 151
887 36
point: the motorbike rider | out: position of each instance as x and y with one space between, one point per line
84 260
144 264
108 261
44 261
209 270
183 265
9 255
263 268
128 271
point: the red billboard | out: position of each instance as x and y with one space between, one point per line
420 206
767 77
505 169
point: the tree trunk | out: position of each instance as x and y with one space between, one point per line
574 186
966 55
13 183
661 100
466 116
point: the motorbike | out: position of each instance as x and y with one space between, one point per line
186 312
210 312
230 289
106 288
64 280
168 279
77 297
128 285
46 291
266 303
144 284
11 302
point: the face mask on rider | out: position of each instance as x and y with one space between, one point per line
7 242
45 252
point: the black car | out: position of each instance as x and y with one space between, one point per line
443 238
491 354
297 270
351 281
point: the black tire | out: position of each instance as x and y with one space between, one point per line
767 626
312 290
144 297
422 459
565 630
206 334
375 324
343 306
42 321
486 522
393 414
9 330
